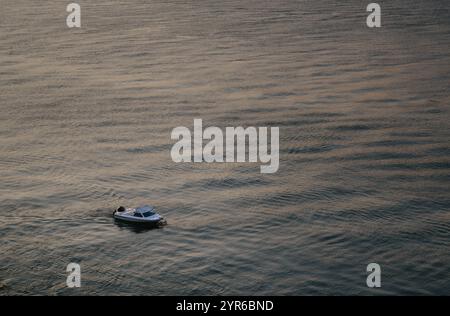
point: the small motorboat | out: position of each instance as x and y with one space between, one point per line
144 215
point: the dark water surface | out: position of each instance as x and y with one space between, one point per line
85 124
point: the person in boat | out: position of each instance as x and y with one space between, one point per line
121 209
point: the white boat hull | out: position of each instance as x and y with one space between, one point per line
128 217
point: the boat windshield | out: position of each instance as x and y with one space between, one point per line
148 214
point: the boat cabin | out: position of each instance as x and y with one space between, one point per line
145 211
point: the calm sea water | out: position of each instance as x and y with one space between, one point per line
85 124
